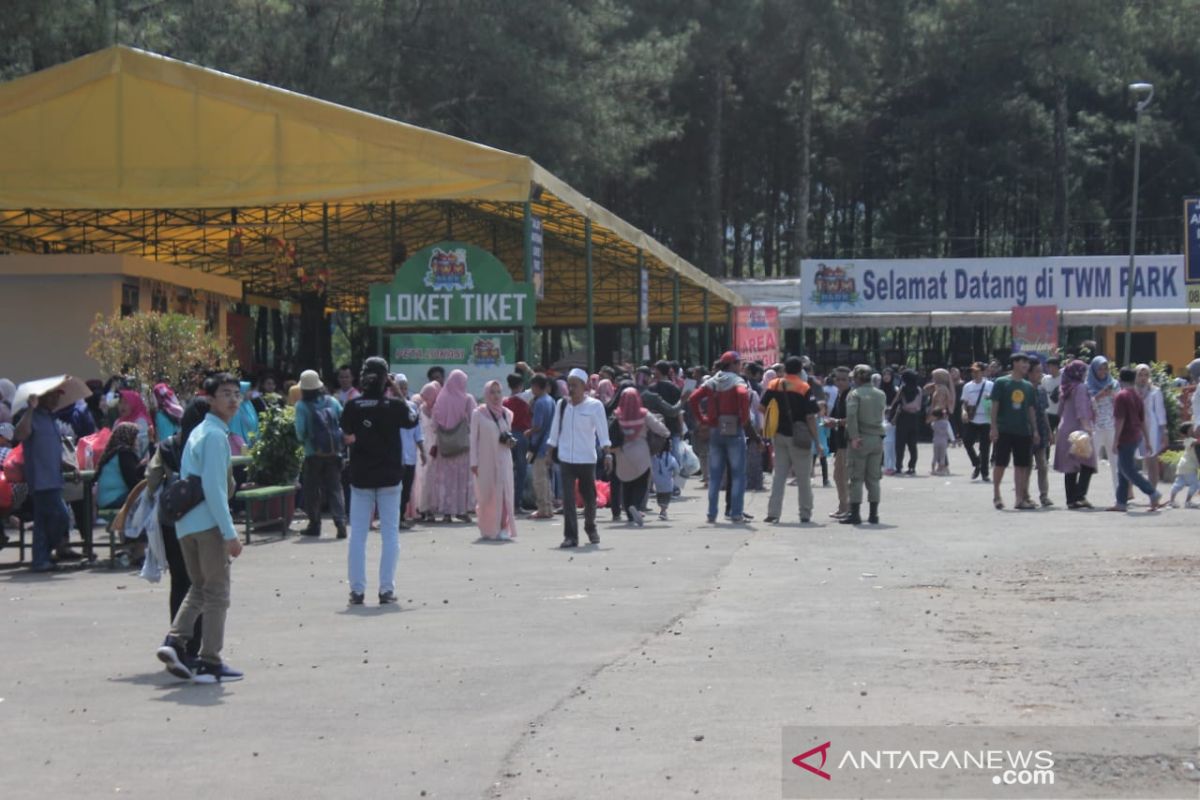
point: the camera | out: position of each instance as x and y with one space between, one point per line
507 439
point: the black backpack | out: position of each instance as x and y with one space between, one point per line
325 432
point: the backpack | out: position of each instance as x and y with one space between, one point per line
325 431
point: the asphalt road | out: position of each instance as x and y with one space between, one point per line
663 663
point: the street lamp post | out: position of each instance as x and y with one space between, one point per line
1146 92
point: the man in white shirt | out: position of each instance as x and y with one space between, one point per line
1051 382
412 445
977 425
579 424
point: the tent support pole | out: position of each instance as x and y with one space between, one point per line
527 333
675 318
704 340
591 306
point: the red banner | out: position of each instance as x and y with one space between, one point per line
756 333
239 330
1035 330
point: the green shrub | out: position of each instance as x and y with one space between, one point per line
277 454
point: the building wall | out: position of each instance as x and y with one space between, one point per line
46 323
1174 344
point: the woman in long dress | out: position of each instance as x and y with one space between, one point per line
633 456
1076 413
492 465
453 489
1156 422
422 491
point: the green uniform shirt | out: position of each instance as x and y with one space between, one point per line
1013 399
864 412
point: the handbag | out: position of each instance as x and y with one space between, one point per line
562 409
180 497
455 441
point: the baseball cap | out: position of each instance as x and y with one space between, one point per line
729 357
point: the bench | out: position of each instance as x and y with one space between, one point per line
268 507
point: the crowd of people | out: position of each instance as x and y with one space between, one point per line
378 455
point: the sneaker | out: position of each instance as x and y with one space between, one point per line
341 531
387 598
314 532
770 520
635 514
356 598
216 673
593 537
174 657
739 519
568 544
662 515
805 520
711 520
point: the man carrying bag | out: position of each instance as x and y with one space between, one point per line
792 425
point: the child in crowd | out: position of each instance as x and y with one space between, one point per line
1188 472
663 471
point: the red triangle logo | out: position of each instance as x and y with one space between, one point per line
823 749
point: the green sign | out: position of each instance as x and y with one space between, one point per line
451 285
483 356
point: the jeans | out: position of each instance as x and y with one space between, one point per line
323 482
520 467
726 452
51 524
889 447
1129 473
362 503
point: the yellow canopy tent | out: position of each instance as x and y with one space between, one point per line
128 151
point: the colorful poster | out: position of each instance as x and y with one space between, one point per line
1035 330
756 334
1074 283
483 356
451 285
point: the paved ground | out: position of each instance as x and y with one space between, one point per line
661 664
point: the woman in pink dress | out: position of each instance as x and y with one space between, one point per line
422 492
492 465
453 488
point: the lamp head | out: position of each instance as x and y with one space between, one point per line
1141 88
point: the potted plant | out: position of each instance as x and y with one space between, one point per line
275 461
1170 465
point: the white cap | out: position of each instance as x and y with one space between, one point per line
578 374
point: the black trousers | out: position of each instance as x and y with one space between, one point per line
407 475
1077 483
980 434
180 583
583 475
633 493
907 427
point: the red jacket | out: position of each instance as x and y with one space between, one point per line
730 401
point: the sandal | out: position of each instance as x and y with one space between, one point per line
998 503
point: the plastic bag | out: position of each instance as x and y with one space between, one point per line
1081 445
14 465
91 447
603 494
689 464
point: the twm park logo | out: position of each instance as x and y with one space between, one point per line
999 767
486 353
448 271
834 286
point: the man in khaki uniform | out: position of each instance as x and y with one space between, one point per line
864 430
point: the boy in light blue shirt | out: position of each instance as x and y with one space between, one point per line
207 540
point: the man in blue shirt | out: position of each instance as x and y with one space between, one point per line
208 541
539 449
318 427
41 444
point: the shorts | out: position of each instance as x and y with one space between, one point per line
1019 447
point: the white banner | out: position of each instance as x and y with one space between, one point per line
1082 283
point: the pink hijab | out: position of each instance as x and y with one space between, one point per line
453 404
631 415
494 400
168 403
429 395
605 391
137 407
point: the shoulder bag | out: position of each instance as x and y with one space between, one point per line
801 435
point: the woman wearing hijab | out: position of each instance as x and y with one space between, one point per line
1102 389
422 492
491 457
244 424
131 408
604 392
941 406
1155 422
907 419
169 412
633 457
1076 413
453 489
120 468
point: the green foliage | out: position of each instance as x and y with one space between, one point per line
154 347
1171 458
277 454
1160 378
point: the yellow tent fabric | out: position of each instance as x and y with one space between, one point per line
126 129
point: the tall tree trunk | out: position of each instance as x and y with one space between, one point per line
1061 170
804 167
713 235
